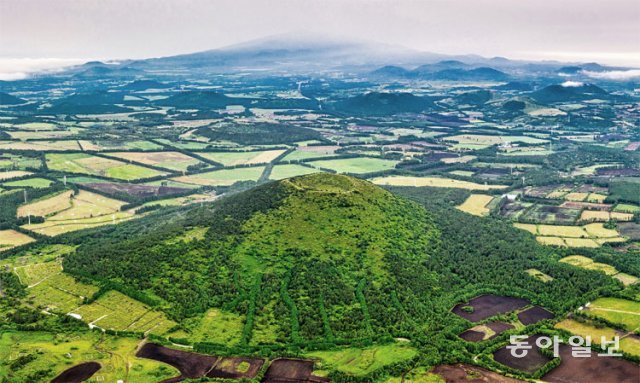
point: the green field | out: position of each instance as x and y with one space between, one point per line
98 166
286 171
53 353
223 177
359 362
216 326
13 161
359 165
619 311
36 182
242 158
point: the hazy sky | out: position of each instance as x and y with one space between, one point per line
571 30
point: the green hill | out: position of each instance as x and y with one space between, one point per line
316 257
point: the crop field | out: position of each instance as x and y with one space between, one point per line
308 152
358 362
36 183
60 292
626 208
59 352
223 177
531 362
476 204
116 311
539 275
182 201
168 160
478 141
98 166
48 205
50 146
45 134
488 305
432 182
576 196
243 158
589 264
218 327
289 170
628 344
615 310
34 274
118 145
358 165
87 210
12 161
7 175
590 235
603 216
11 238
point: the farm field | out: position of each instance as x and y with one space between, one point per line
59 292
539 275
242 158
358 362
590 235
432 182
223 177
628 344
168 160
58 352
116 311
626 208
359 165
84 210
589 264
11 238
619 311
13 161
45 134
47 205
36 183
476 204
479 141
98 166
309 152
7 175
98 146
39 146
289 170
603 216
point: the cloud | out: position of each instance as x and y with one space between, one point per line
614 74
19 68
572 84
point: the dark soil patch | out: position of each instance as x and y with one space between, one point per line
630 230
529 363
77 374
586 205
499 327
190 364
485 306
592 369
227 368
472 336
464 373
291 371
534 315
618 172
135 190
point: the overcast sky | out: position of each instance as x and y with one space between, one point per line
570 30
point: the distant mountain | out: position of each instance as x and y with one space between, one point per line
391 71
198 100
568 91
379 103
515 85
476 97
7 99
89 103
449 70
477 74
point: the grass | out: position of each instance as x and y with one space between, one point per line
13 161
616 310
119 145
286 171
478 141
629 345
36 182
591 235
217 326
33 274
223 177
432 182
98 166
575 196
358 165
11 238
168 160
58 352
298 155
463 173
243 158
48 205
476 204
60 293
359 361
603 216
539 275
